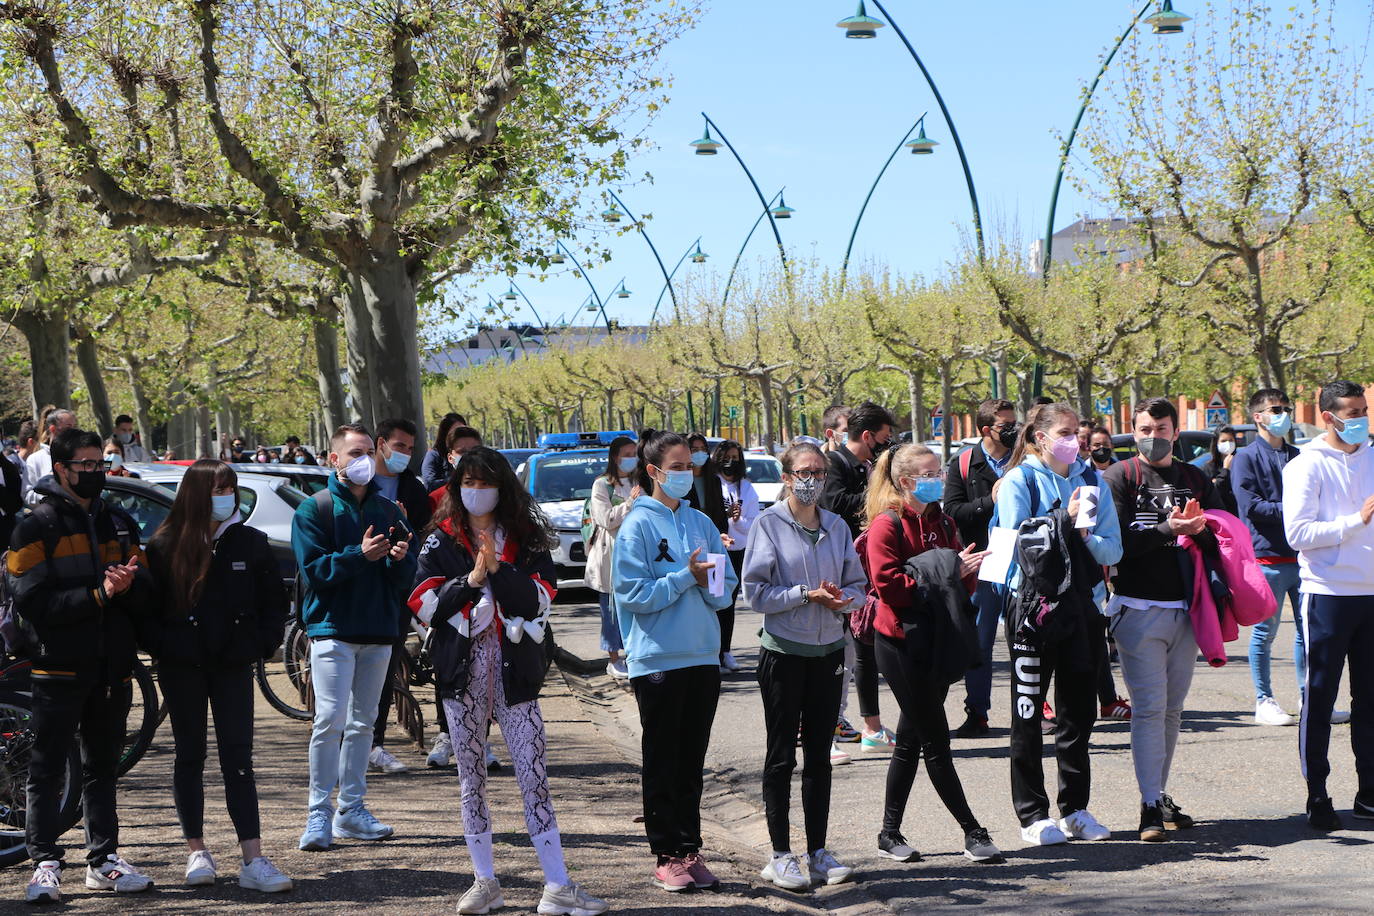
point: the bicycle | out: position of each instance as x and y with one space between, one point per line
16 747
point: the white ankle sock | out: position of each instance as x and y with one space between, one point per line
549 846
479 850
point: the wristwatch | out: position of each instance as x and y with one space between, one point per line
805 597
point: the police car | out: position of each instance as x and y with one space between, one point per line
560 479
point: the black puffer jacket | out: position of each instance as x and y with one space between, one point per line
516 588
240 616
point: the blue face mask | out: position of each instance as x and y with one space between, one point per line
396 462
628 465
678 484
1355 431
223 506
699 458
928 490
300 459
1279 425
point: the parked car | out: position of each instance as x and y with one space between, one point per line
266 503
307 478
560 482
518 456
765 473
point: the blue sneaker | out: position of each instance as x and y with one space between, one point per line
357 823
317 836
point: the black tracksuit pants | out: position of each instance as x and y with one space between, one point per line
61 708
1072 662
803 691
229 692
676 709
922 731
727 615
384 705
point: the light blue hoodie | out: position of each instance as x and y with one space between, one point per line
1014 505
666 619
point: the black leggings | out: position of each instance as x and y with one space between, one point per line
229 692
384 705
922 731
866 678
727 616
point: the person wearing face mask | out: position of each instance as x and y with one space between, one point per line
75 571
352 547
395 443
835 423
124 434
1328 507
613 496
461 440
262 456
801 573
435 468
969 481
667 615
114 459
39 462
904 519
1100 451
1157 499
220 607
703 497
739 507
484 586
1218 466
869 434
1045 472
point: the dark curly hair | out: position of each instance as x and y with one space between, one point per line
516 511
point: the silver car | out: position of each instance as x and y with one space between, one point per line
266 503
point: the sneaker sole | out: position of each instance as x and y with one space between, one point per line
496 904
1363 814
831 882
200 880
1153 836
102 886
348 835
985 860
315 846
914 857
44 898
251 885
559 910
672 888
786 886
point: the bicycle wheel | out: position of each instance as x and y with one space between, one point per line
409 716
285 682
144 717
16 745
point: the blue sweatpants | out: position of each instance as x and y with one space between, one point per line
1339 628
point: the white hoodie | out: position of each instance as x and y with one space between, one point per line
1323 491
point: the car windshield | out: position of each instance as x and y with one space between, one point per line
147 512
565 477
763 470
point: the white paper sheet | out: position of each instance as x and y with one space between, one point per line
715 577
1001 550
1087 506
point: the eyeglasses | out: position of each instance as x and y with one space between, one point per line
809 475
938 475
1277 410
84 465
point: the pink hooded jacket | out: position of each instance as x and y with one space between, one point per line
1251 600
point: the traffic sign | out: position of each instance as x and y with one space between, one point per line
937 423
1217 413
1105 407
1216 401
733 413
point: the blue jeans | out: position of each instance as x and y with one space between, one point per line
1283 580
988 598
348 680
611 640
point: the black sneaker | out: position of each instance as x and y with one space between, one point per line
892 845
1152 824
975 726
1363 810
1321 815
1173 814
978 847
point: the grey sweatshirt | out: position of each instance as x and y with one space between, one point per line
781 565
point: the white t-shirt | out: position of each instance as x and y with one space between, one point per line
37 466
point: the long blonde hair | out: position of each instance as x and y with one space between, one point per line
1041 417
883 490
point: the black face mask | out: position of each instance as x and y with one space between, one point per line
86 484
1007 435
879 447
730 469
1102 455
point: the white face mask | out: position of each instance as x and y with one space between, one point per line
480 500
1226 448
359 471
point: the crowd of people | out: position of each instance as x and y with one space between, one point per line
870 567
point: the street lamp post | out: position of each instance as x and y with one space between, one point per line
1167 21
729 281
921 145
639 225
600 304
698 257
510 297
707 146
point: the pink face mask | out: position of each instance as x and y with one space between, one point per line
1064 450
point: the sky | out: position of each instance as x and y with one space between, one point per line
816 113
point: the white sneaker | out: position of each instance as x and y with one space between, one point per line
200 869
1043 833
1083 826
727 661
1340 716
1269 712
46 884
825 868
786 872
493 762
838 757
617 669
441 755
483 897
569 900
261 875
114 874
382 760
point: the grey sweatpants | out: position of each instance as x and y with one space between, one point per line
1158 654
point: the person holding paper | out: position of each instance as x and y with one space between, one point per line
485 585
1157 499
667 614
740 504
903 519
613 495
802 574
1045 472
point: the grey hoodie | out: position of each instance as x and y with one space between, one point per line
780 558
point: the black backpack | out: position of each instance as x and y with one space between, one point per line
1057 573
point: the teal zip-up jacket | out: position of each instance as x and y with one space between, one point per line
666 619
348 596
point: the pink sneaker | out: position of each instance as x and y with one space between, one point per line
672 875
701 875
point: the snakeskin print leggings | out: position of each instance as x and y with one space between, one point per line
522 726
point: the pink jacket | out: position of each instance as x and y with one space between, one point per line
1250 601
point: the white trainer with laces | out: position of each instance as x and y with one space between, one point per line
46 884
382 760
838 757
261 875
114 874
1043 833
826 870
1269 712
786 872
483 897
569 900
1083 826
441 755
358 823
200 869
